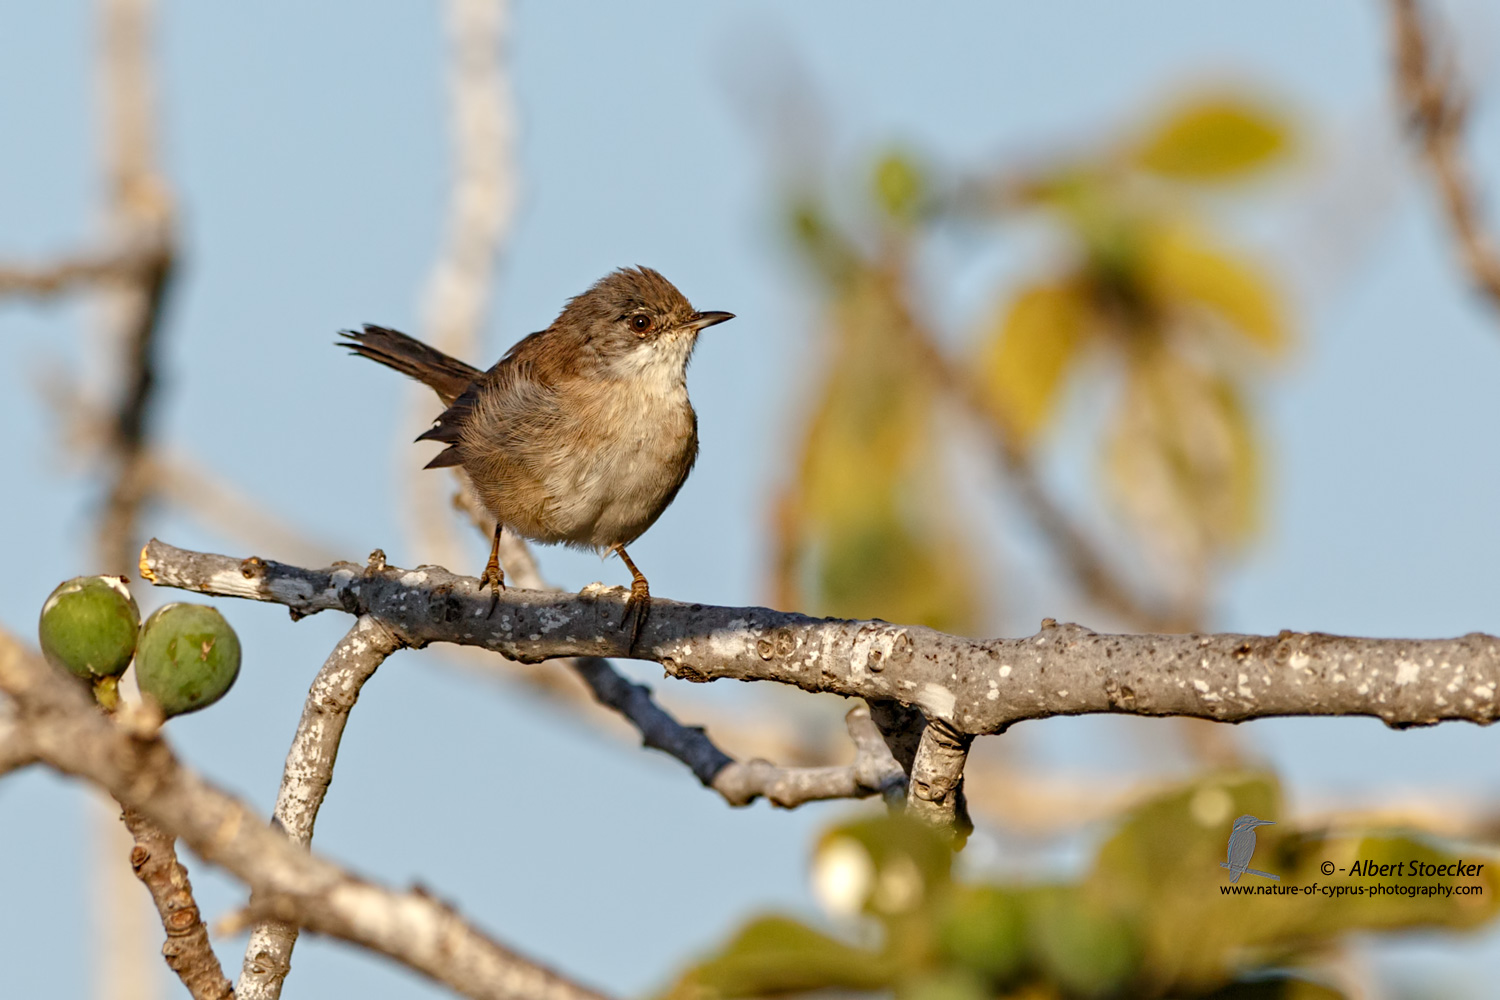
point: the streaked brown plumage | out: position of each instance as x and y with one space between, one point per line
583 433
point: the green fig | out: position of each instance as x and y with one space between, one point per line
88 626
187 659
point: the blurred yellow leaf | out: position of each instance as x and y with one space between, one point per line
1183 460
1214 139
867 530
1028 351
1181 267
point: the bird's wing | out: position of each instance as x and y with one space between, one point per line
497 430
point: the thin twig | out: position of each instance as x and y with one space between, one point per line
305 781
1436 109
187 948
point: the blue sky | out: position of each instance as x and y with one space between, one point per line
309 148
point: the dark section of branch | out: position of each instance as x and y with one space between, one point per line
66 731
974 687
187 948
1436 110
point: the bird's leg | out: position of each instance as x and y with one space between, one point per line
638 605
493 574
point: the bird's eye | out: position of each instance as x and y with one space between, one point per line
640 323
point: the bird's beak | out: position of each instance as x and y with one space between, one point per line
1265 822
704 320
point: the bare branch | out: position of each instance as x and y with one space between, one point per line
974 687
305 781
15 749
481 207
65 275
139 768
187 949
1436 110
141 220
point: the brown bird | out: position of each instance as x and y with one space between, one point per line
583 433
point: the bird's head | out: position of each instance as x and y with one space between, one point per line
636 322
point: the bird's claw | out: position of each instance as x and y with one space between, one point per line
494 577
637 608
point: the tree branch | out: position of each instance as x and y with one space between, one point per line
15 749
873 772
305 781
937 775
1436 111
974 687
67 732
187 948
481 210
65 275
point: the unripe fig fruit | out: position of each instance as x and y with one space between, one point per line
187 659
88 626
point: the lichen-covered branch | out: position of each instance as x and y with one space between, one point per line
305 781
975 687
1436 110
187 948
67 732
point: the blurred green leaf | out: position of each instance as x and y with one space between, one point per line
983 929
1162 868
900 186
947 984
1214 139
776 955
1078 943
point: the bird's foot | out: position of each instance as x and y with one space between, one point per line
494 577
637 608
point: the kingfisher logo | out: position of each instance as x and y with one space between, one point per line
1242 849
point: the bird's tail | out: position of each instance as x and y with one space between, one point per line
446 376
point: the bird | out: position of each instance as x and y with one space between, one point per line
583 433
1242 848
